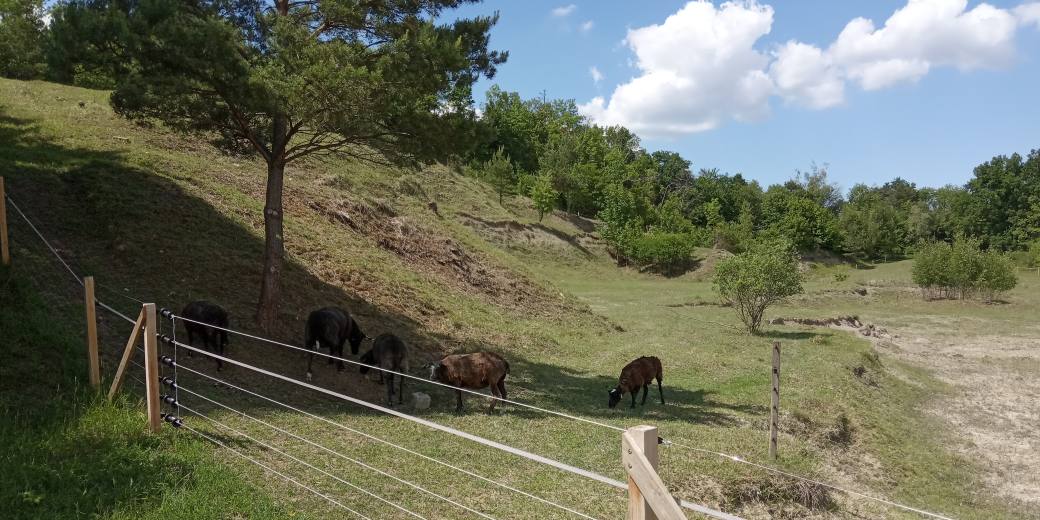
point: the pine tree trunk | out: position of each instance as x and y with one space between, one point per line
274 243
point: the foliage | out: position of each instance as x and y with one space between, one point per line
792 215
872 228
543 195
962 269
499 173
762 276
663 252
1007 194
22 37
85 46
384 82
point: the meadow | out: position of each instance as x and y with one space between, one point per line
161 218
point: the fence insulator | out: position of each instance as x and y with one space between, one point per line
168 361
166 313
169 399
173 420
169 382
166 339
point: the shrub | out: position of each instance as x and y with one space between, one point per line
961 269
997 274
667 253
752 281
841 276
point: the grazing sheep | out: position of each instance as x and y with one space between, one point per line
214 340
390 353
331 327
473 371
636 374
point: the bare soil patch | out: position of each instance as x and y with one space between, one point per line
841 322
439 256
995 408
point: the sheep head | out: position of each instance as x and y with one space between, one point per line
615 396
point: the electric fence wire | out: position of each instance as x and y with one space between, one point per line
388 443
338 454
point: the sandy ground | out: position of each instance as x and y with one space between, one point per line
995 406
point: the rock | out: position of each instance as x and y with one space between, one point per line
420 401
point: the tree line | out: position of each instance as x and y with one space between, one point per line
387 82
654 208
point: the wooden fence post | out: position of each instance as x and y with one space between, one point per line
648 497
128 352
5 248
774 409
92 343
151 367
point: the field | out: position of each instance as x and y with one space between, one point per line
937 413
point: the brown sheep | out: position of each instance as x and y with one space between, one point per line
636 374
473 371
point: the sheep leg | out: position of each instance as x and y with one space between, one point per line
634 394
502 387
400 390
390 390
659 391
646 389
458 406
191 340
494 400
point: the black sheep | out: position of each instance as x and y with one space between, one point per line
390 353
214 340
639 373
331 327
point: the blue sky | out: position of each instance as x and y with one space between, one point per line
946 87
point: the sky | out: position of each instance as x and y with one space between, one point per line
920 89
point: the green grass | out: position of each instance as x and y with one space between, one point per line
172 220
69 453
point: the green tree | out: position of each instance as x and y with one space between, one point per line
872 227
803 221
762 276
85 46
377 81
499 172
543 194
22 37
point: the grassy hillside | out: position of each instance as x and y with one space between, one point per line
167 219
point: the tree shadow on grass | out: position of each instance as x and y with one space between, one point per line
144 236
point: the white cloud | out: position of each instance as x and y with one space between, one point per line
564 10
586 26
921 35
1029 14
805 75
597 76
700 67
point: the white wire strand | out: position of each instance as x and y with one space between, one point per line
735 458
274 471
388 443
340 455
409 376
459 433
45 242
305 463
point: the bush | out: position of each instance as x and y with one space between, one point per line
997 275
667 253
754 280
841 276
543 195
962 269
